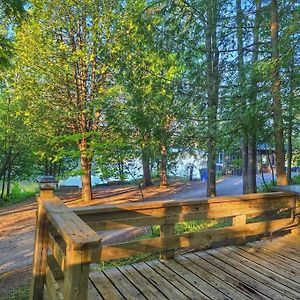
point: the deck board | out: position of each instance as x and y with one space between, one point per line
260 270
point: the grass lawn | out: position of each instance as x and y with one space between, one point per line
20 192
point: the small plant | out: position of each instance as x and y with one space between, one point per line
21 293
266 187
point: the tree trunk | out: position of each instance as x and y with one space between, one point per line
86 164
9 170
252 162
191 172
46 166
277 106
146 169
212 61
289 151
252 149
241 97
290 122
244 148
163 167
3 185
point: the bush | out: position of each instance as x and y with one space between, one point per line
296 179
20 192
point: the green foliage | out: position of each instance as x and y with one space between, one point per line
21 293
116 81
296 179
20 192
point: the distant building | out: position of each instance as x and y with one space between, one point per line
265 158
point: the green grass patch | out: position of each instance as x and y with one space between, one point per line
21 293
125 261
19 193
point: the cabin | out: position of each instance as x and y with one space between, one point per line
253 255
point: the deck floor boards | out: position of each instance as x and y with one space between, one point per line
260 270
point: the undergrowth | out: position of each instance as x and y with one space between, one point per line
21 293
19 192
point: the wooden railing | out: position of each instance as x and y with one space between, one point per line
66 241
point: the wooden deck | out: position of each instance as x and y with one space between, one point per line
261 270
68 243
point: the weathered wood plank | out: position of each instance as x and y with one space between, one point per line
57 252
53 289
126 288
261 278
279 251
147 289
169 290
276 256
98 209
194 279
211 279
246 281
273 266
72 229
230 279
93 292
276 260
39 264
77 267
122 217
105 288
281 283
165 232
177 281
55 268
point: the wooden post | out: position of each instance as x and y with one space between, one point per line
296 230
39 255
41 239
166 231
76 274
239 223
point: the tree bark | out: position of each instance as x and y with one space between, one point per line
146 169
212 61
252 143
290 123
163 167
289 151
244 148
252 162
3 185
86 164
9 170
277 106
241 97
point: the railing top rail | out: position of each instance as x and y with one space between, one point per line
80 211
76 233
